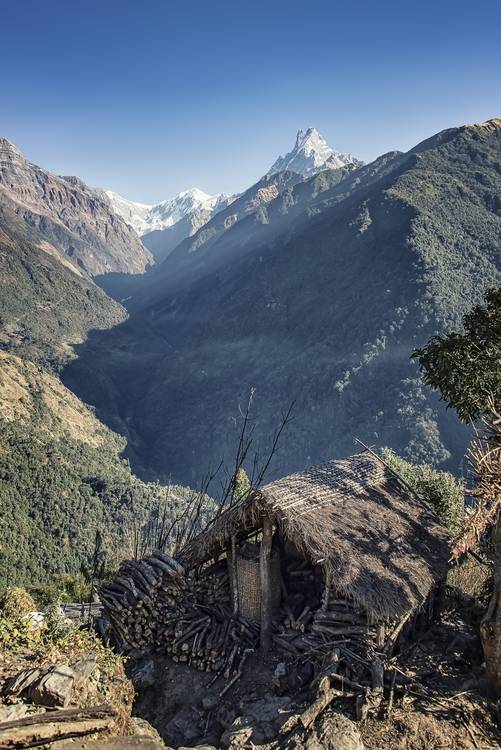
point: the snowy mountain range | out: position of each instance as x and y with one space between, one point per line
150 218
311 154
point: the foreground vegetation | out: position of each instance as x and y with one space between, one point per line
28 644
464 366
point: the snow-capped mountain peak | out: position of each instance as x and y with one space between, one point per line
134 214
311 154
146 218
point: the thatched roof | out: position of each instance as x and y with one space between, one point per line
384 548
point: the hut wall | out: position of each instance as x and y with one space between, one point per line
249 581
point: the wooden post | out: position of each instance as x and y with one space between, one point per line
490 625
231 553
327 588
380 635
265 569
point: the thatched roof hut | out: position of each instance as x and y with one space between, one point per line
377 542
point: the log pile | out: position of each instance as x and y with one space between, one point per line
314 621
303 629
153 603
318 626
142 599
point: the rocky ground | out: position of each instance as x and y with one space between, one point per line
437 702
433 700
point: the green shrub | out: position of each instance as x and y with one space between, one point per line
15 603
440 490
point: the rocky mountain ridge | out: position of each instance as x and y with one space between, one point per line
165 225
162 226
72 221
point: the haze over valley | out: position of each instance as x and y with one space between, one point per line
312 286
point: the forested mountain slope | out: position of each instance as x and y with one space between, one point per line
262 211
322 307
45 306
61 478
62 475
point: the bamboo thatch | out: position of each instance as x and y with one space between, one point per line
384 547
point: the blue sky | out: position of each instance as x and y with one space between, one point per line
150 98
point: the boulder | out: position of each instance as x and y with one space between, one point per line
142 728
83 669
54 687
50 687
143 675
186 725
236 736
337 732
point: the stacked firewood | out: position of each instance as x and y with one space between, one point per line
143 598
312 621
152 603
207 635
210 639
338 619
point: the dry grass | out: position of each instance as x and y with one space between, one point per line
21 382
470 577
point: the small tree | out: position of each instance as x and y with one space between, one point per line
466 368
242 485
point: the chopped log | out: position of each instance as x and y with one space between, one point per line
149 573
284 645
178 568
377 692
140 580
42 729
332 617
237 676
390 643
230 661
325 698
161 565
341 630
